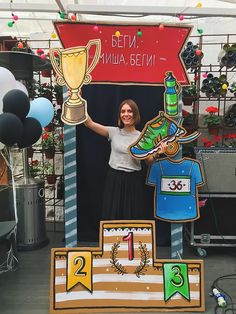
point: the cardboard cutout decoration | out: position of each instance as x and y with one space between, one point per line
123 275
73 70
127 57
158 130
176 189
171 96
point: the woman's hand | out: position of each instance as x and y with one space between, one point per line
163 147
161 150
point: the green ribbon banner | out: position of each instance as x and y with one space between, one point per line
176 280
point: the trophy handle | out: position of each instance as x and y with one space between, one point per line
60 79
96 42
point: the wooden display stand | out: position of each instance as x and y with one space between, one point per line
123 275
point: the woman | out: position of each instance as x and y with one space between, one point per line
123 194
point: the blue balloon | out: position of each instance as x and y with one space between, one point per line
41 109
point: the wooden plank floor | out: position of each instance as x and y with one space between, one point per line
26 290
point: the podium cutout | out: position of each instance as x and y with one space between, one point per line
124 275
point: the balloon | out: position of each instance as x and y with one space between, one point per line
7 81
11 128
21 87
41 109
32 131
17 102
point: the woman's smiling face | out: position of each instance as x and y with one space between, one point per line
126 115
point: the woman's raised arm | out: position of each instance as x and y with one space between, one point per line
96 127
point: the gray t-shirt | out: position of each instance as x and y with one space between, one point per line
120 159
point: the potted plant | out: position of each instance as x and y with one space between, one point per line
59 139
212 120
229 119
189 94
48 144
49 172
22 46
213 142
35 168
45 90
230 140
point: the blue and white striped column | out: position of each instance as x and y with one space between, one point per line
176 240
177 228
70 173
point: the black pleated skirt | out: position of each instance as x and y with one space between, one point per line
123 195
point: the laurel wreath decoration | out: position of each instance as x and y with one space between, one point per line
119 268
144 263
139 270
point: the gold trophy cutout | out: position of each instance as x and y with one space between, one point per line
73 70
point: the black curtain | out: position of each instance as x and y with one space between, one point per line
93 152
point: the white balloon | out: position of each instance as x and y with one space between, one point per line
21 87
7 81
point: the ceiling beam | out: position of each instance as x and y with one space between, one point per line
60 6
26 7
118 9
149 10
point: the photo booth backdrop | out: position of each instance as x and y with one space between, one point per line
93 153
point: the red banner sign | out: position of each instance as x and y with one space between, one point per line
137 54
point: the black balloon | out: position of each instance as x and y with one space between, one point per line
17 102
11 128
32 131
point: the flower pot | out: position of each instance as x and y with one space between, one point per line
46 73
49 153
49 127
188 101
51 178
213 130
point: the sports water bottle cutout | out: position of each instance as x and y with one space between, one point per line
172 90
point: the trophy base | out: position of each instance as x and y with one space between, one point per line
72 114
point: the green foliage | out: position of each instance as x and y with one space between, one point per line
48 168
189 91
212 119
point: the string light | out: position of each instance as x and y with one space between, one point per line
53 35
204 75
62 15
11 23
198 52
95 28
139 33
73 17
15 17
117 33
161 27
181 17
200 31
199 5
